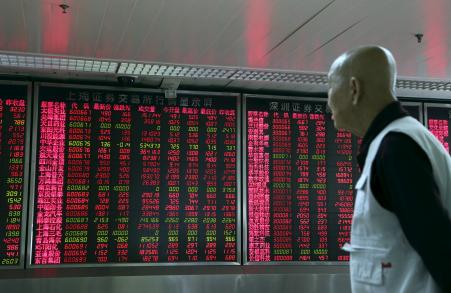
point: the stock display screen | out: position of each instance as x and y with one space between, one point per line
133 177
438 120
13 123
300 175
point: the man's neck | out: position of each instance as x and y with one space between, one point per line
372 111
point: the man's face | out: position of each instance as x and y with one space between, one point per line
339 100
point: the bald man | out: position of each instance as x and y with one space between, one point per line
401 228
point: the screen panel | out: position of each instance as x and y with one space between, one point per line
132 178
438 119
14 145
300 172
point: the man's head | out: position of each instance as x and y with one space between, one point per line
361 84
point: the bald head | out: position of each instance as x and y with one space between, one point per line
373 66
361 84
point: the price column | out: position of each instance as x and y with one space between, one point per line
12 154
319 186
150 151
303 192
342 173
101 168
121 183
227 137
191 178
172 207
209 173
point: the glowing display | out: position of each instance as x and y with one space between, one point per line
438 120
132 177
13 125
300 175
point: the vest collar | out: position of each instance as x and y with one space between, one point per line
389 114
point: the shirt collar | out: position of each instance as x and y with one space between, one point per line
389 114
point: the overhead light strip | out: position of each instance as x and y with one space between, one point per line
174 70
63 63
57 63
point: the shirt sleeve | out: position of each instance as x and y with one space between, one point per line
403 183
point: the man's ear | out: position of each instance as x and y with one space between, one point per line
355 89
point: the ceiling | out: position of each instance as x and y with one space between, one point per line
300 35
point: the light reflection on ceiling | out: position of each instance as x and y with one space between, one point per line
258 22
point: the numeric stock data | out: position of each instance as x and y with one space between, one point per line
438 119
134 177
300 176
13 172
